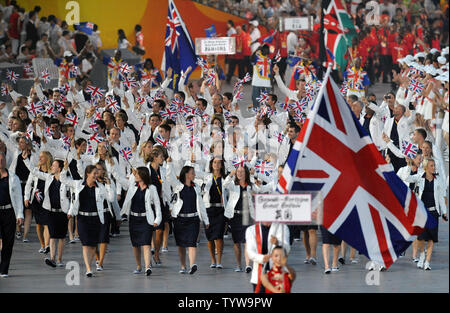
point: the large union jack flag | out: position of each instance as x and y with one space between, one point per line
364 202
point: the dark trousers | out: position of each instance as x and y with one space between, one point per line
282 66
261 289
247 67
7 229
386 65
232 67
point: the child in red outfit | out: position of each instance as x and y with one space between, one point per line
277 280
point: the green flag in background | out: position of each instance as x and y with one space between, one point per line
339 31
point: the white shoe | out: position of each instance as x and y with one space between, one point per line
371 266
421 260
354 261
164 250
238 269
335 269
327 271
426 266
60 264
99 268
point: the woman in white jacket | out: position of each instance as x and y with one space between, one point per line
189 210
88 205
56 203
142 203
238 207
432 193
215 201
34 198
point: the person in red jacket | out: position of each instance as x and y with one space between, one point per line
14 29
385 56
246 51
281 45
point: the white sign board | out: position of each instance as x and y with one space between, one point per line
298 23
215 45
283 208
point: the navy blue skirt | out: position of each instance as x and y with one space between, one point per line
237 229
329 238
89 230
57 224
186 230
216 223
140 231
104 228
40 214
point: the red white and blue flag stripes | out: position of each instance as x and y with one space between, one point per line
409 150
364 202
416 86
46 76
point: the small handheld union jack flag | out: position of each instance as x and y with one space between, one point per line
48 132
409 150
38 195
238 85
66 142
95 92
124 69
416 86
35 108
299 117
280 136
264 167
5 91
278 57
90 149
46 76
169 113
203 64
74 71
344 89
160 140
126 153
112 104
300 105
263 98
130 81
72 119
93 126
30 131
211 78
239 161
192 140
27 68
96 137
12 76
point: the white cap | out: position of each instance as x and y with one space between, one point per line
443 78
445 50
442 60
254 23
420 55
434 50
401 60
67 54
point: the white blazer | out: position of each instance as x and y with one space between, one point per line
280 231
15 193
48 178
208 181
439 191
151 198
234 192
102 193
201 210
403 127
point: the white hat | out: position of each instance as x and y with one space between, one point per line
254 23
67 54
420 55
434 50
443 78
401 60
442 60
445 50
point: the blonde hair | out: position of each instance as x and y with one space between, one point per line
141 151
49 162
108 153
426 161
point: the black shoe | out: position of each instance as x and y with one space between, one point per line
50 262
148 272
193 269
89 274
248 269
47 250
341 260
